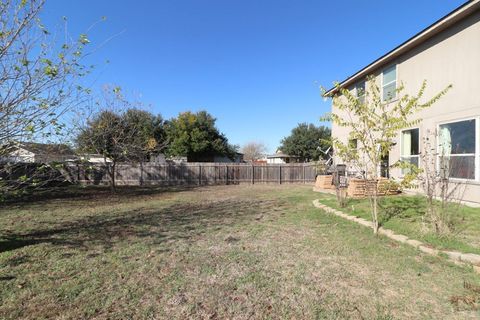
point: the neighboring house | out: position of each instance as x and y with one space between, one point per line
238 158
177 159
223 159
259 161
158 159
32 152
447 52
280 158
98 158
93 158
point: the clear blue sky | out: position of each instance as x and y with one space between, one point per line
256 65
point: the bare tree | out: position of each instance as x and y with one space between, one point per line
443 195
38 73
253 150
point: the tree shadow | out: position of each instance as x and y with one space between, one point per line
156 226
90 193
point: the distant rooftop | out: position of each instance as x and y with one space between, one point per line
280 155
47 148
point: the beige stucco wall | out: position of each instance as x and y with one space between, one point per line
450 57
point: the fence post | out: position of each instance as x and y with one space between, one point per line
215 174
199 174
304 174
253 174
280 174
226 174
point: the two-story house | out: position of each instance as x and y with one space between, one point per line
446 52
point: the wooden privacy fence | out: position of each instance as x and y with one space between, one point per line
193 173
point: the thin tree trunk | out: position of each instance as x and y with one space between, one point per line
112 176
375 207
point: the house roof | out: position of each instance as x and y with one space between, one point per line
46 148
443 23
280 155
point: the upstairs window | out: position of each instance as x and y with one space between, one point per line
360 91
410 147
389 83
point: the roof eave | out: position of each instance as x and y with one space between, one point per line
435 28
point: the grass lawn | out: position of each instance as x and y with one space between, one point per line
237 252
403 214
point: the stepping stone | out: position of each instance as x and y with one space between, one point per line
476 269
428 250
386 232
453 255
414 243
399 237
471 258
364 222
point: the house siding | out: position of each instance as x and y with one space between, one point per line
450 57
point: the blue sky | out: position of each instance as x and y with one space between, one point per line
256 65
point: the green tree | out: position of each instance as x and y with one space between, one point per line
195 136
375 125
120 133
306 141
147 134
104 134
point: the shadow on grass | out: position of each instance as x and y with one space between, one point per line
155 226
79 193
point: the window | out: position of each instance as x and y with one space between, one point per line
457 149
410 142
389 83
360 91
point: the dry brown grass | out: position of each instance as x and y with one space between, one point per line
236 252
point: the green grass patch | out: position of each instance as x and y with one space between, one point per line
404 215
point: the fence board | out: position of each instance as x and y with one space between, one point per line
195 173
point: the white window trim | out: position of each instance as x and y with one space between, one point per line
419 147
386 84
477 148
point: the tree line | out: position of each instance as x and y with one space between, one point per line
42 85
120 131
42 98
306 141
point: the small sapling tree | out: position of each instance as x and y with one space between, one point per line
374 124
